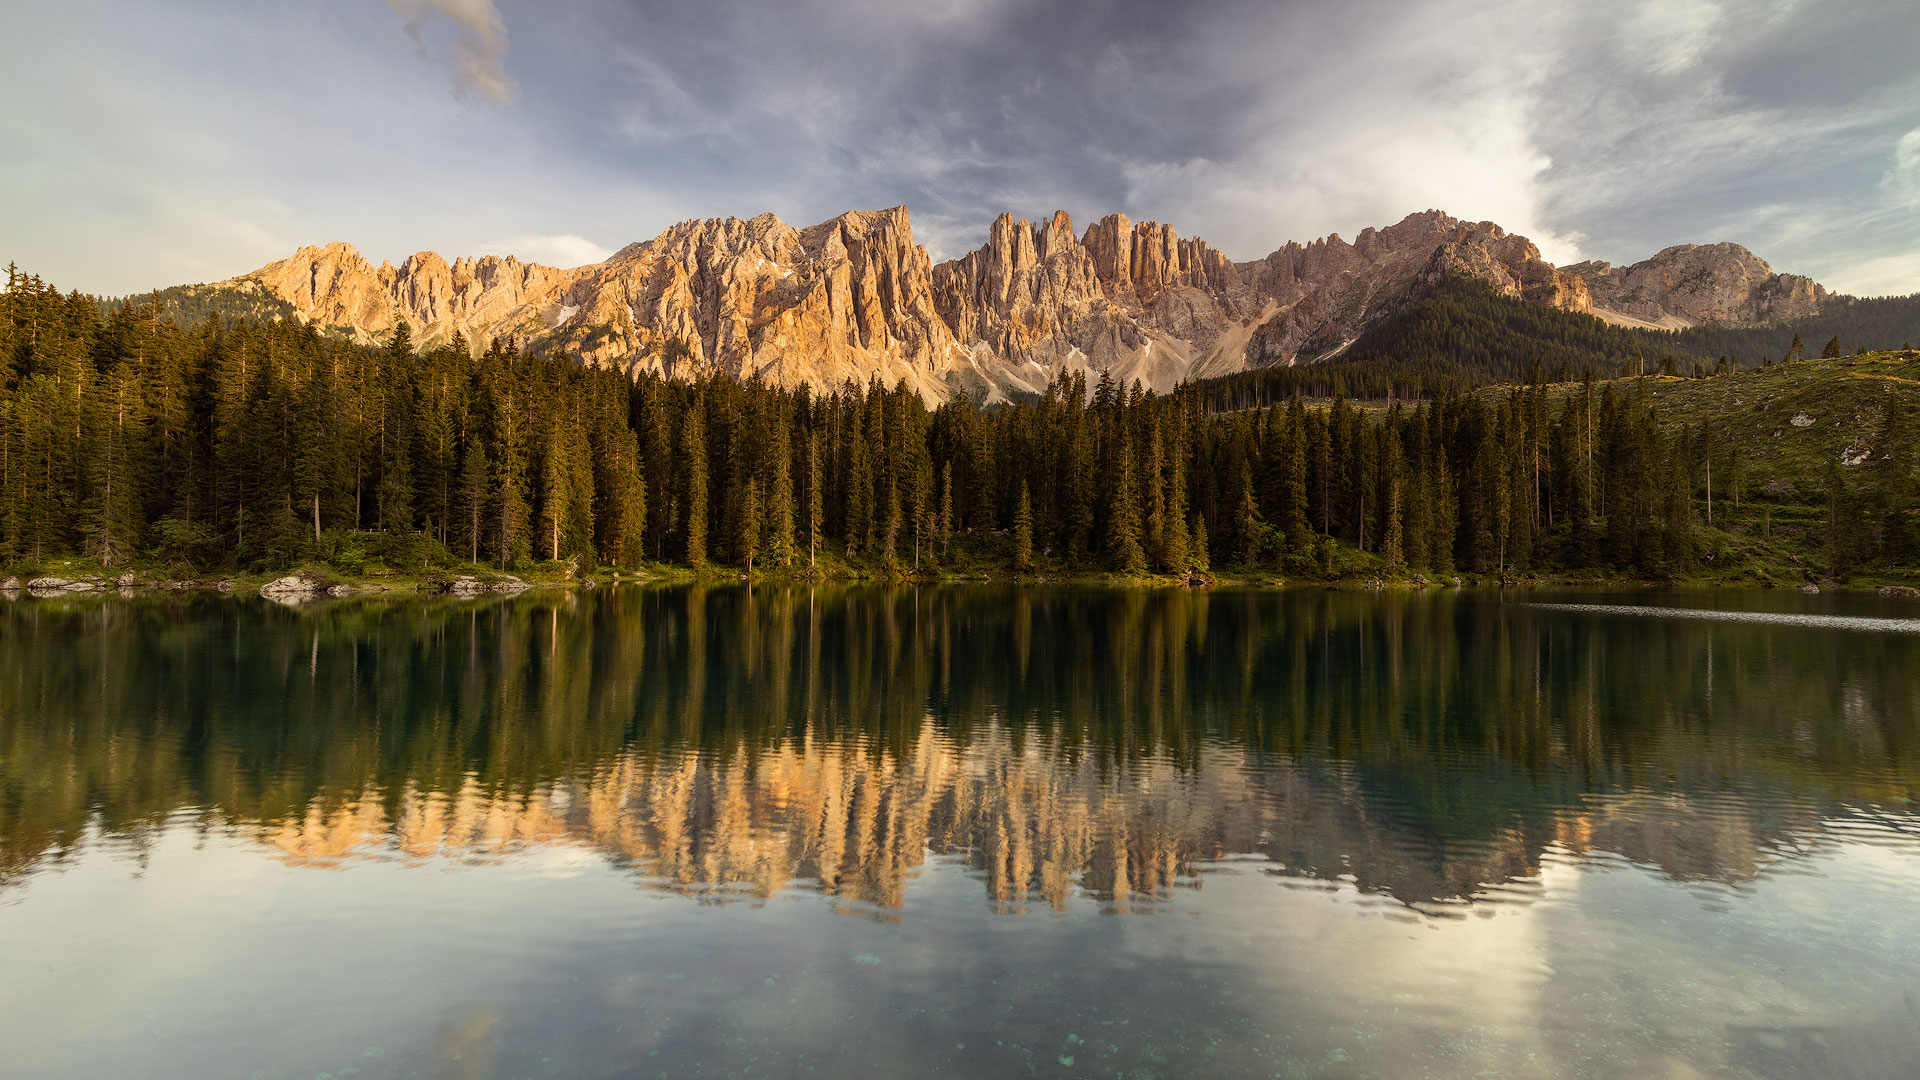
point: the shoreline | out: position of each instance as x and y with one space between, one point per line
308 584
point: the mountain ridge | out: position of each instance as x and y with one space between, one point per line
856 297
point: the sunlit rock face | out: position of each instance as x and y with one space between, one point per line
856 298
1690 284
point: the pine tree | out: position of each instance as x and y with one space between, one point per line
1832 350
946 506
555 490
1123 521
656 451
780 497
1177 545
473 494
1023 533
1392 554
1156 500
816 498
890 530
860 488
693 455
752 524
1293 501
1248 518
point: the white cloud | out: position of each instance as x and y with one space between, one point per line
1876 275
1668 36
1420 131
565 250
1903 180
474 41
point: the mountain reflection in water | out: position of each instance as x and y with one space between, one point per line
734 743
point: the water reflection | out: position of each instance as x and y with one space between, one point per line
734 743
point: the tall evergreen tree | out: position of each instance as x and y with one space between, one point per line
1023 532
693 453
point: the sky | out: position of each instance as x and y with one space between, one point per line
151 144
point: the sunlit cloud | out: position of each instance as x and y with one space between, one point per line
467 35
564 251
1606 130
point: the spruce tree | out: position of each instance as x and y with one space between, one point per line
860 488
1177 543
693 455
946 506
816 498
1248 518
1123 520
752 524
554 492
780 497
1023 533
473 494
890 529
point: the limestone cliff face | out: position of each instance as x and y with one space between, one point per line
480 297
849 298
1037 303
1689 284
1329 290
855 298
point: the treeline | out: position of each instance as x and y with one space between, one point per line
128 438
1457 335
1462 334
1464 329
1879 323
191 305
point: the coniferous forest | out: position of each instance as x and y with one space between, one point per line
128 440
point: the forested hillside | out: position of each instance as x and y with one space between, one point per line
1891 322
191 305
1460 333
132 441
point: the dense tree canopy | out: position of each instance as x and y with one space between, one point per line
126 437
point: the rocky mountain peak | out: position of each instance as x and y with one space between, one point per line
1689 284
855 297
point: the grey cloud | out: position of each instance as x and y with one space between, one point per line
474 40
1600 128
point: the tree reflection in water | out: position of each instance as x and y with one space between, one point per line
736 742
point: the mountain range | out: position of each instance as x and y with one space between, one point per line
856 297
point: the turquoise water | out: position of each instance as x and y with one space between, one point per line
961 831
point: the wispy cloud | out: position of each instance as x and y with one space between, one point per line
564 251
468 35
1599 128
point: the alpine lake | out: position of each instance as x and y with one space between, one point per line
781 831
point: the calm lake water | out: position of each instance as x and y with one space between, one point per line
974 832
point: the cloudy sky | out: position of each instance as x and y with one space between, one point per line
155 143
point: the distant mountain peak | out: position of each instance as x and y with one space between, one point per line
854 297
